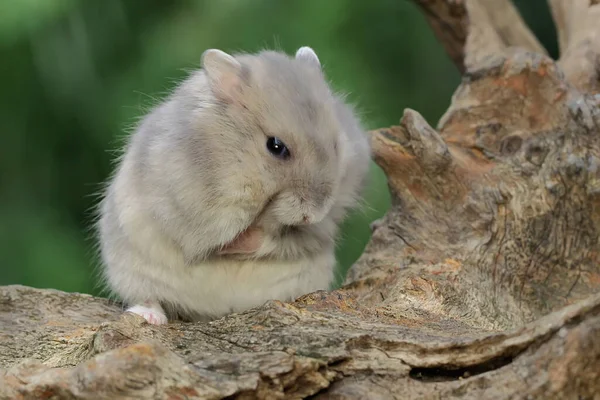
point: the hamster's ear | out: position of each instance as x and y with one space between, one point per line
224 73
308 55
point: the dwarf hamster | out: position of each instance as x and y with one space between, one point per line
229 193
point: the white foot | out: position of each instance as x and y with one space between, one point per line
152 313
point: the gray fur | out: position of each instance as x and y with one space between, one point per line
196 173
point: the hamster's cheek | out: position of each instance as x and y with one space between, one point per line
239 190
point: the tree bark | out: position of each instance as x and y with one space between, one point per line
481 282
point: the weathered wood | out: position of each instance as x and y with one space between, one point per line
579 41
472 30
481 282
329 344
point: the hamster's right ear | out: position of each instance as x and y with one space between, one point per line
308 55
224 73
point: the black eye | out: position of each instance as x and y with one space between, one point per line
277 148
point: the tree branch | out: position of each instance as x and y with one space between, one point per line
284 351
578 26
472 30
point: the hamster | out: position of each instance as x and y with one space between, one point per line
230 192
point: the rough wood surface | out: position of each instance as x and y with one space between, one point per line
481 282
579 41
59 345
471 30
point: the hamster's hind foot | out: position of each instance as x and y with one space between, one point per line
152 312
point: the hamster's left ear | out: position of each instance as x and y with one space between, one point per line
308 55
224 73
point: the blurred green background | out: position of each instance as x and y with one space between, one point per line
76 74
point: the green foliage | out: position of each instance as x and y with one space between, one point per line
76 75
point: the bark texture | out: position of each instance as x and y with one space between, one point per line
481 282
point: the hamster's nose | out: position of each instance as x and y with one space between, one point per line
305 219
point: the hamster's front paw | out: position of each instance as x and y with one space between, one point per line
153 314
247 242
